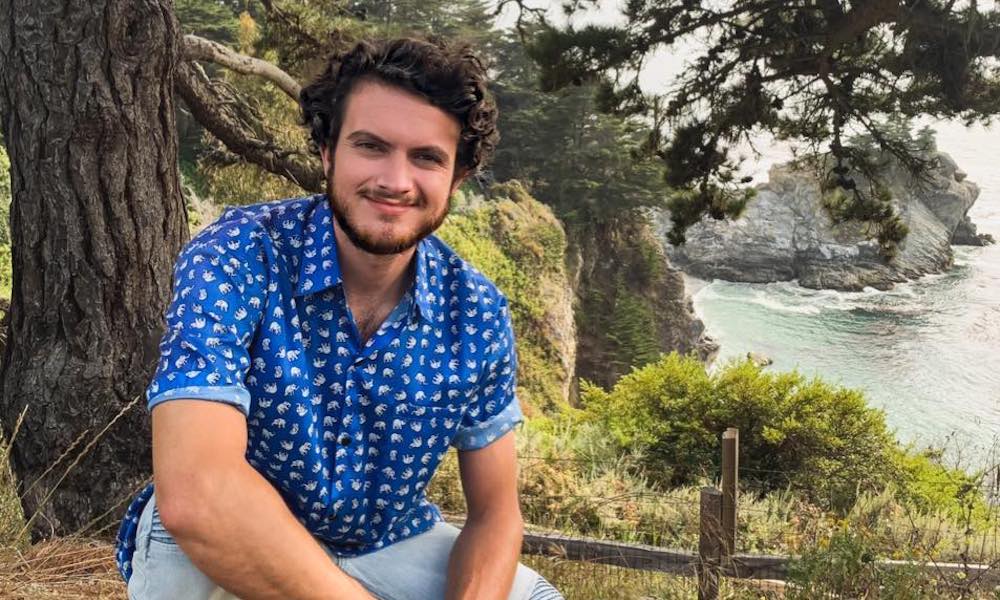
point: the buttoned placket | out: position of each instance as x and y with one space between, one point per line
354 390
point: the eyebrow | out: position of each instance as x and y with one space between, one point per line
362 134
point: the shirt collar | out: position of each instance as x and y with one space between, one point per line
423 293
320 266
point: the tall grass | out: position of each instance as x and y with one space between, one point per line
12 532
74 567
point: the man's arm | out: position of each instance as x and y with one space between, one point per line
484 558
227 518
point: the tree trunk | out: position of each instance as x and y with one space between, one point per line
97 220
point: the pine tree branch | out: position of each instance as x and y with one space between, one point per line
526 15
218 111
198 48
860 20
292 23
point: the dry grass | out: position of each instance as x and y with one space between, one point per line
11 516
64 569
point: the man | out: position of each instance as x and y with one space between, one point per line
321 356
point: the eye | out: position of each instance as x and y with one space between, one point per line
365 145
429 157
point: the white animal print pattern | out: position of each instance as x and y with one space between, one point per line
349 434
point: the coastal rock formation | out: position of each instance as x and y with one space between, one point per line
785 233
966 235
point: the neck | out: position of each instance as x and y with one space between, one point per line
372 275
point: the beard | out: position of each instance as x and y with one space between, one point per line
379 237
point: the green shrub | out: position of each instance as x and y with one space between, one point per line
847 566
931 486
795 432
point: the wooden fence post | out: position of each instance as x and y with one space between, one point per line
710 544
730 487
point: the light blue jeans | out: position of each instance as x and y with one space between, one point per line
413 569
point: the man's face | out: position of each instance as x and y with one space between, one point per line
391 173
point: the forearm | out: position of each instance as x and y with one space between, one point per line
484 558
243 537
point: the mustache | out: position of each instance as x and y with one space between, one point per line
377 193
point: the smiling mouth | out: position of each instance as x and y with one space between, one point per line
384 202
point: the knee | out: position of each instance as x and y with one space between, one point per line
529 585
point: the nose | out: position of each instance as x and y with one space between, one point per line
395 177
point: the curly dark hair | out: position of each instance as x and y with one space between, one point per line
449 76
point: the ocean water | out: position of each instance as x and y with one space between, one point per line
926 352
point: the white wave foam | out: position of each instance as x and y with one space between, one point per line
771 302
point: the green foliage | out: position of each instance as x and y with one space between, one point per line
6 272
208 18
627 312
687 207
846 566
630 332
6 265
860 165
794 432
897 130
821 441
227 179
584 164
216 21
875 211
929 485
466 19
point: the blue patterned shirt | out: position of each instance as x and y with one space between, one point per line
349 433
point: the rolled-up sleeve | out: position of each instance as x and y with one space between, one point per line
213 316
495 410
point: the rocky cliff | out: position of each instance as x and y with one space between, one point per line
786 233
632 305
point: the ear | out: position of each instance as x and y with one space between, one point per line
326 155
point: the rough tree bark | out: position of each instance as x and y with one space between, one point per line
97 220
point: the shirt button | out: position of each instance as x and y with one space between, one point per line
345 440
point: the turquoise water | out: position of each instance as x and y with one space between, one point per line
927 352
